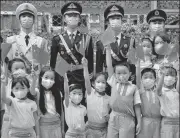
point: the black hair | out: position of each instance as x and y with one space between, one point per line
23 81
126 64
74 86
145 70
54 89
163 36
99 74
171 70
11 62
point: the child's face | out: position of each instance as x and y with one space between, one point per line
48 79
160 46
122 73
76 96
147 47
100 83
170 77
17 65
20 91
148 80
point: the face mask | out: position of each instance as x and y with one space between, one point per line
73 22
100 87
156 28
20 94
115 24
19 73
161 49
123 78
147 51
27 22
148 83
169 80
47 83
76 99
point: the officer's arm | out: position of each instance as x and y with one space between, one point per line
66 90
10 53
138 74
100 56
54 52
177 86
109 61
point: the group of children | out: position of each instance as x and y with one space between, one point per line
149 109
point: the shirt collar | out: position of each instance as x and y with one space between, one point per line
24 34
69 33
119 36
167 89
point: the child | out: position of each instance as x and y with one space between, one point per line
51 112
150 107
97 104
74 111
22 109
148 53
169 100
125 101
16 68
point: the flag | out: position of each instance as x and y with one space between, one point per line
173 53
40 55
62 66
140 52
132 55
108 36
5 48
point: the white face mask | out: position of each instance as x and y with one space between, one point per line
27 22
123 78
148 83
76 99
47 83
115 24
147 51
72 21
169 80
156 28
161 49
100 87
20 94
19 73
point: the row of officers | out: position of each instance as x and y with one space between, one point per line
72 45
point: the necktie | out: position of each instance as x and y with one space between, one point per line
116 45
27 40
72 38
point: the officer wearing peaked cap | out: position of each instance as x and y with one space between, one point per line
22 43
72 45
113 14
156 20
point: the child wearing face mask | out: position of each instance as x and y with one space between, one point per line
22 109
98 116
148 53
16 68
74 111
150 107
169 100
50 106
125 101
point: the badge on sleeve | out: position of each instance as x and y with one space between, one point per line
62 52
125 46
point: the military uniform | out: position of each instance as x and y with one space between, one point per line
119 49
72 53
21 49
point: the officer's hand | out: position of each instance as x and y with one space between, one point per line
84 62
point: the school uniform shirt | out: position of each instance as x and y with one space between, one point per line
150 106
97 107
123 96
74 116
169 103
21 113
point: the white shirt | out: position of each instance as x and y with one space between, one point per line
119 38
69 34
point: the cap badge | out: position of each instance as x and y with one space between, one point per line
72 6
156 12
27 7
114 8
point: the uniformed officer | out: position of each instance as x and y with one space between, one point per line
22 44
72 45
156 20
113 14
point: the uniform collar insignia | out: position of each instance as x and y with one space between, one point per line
156 12
114 8
72 6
